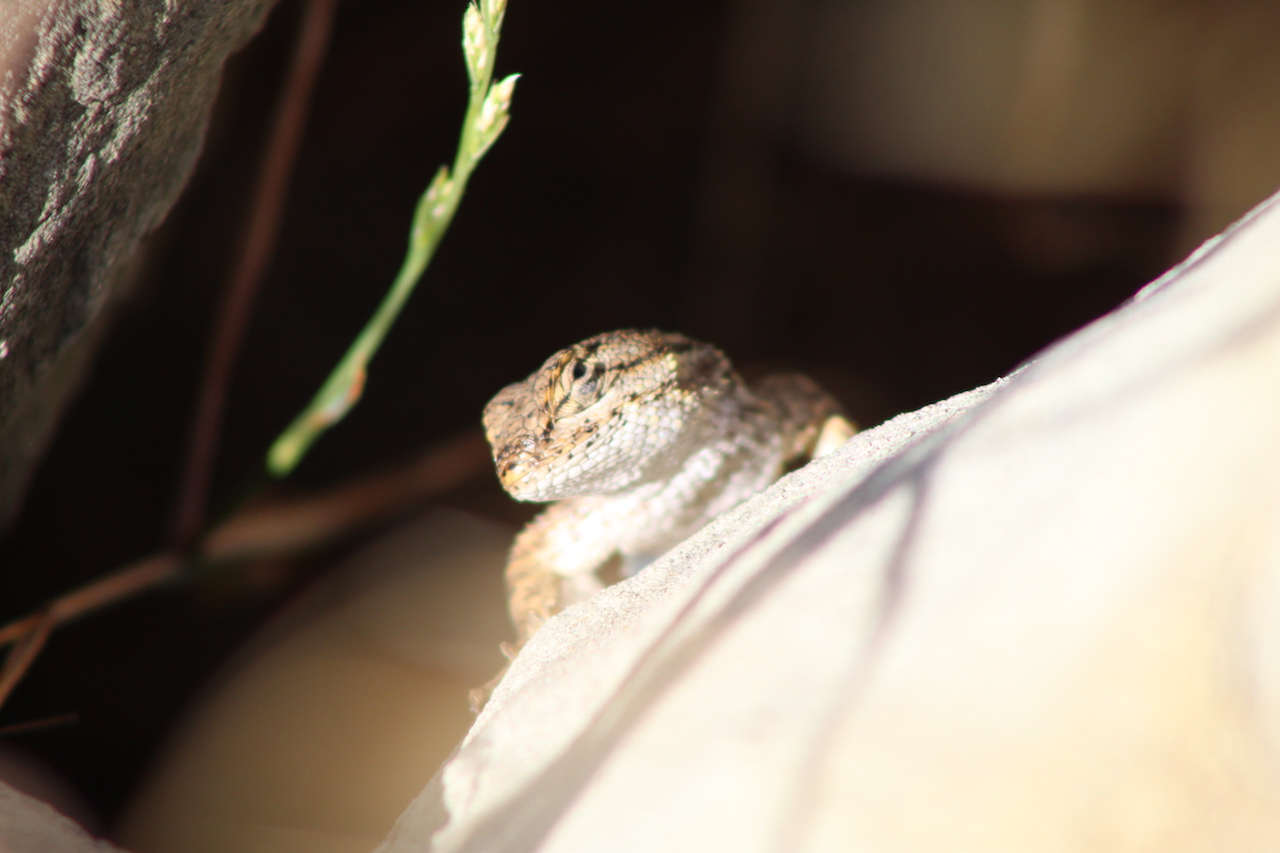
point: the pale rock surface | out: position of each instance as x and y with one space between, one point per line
1038 617
1083 99
319 732
30 826
103 107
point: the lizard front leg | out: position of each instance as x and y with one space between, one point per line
810 421
552 565
553 562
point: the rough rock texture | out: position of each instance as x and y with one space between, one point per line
103 107
1041 616
30 826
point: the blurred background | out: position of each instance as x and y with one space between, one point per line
903 198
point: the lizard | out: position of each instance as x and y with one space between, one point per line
640 438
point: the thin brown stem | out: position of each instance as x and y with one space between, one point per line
40 725
23 654
245 280
18 629
118 585
268 530
302 524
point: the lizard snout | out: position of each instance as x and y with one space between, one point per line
513 469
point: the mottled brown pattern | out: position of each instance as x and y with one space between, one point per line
641 437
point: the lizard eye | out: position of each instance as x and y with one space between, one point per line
579 381
586 384
580 387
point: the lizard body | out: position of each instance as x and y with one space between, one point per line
641 438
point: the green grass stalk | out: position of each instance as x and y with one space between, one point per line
488 111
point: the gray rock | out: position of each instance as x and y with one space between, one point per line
103 107
1040 616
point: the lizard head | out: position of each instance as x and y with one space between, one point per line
613 411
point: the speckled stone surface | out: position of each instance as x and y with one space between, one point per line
103 107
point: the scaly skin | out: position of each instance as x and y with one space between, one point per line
641 437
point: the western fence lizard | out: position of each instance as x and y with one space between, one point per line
641 437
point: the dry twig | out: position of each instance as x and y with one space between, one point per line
267 530
28 635
256 249
271 529
306 523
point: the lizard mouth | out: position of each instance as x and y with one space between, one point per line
512 474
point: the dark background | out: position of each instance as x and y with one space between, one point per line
591 213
